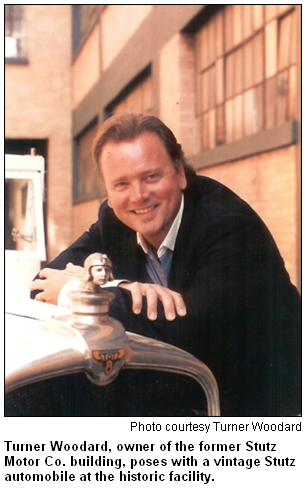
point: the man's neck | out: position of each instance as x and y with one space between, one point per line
169 239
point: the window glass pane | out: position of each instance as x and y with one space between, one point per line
90 185
220 125
238 117
147 103
202 57
259 110
229 114
282 97
238 71
228 28
285 41
248 65
292 93
270 102
219 79
208 89
204 94
258 17
237 24
249 112
14 31
139 100
219 35
270 12
247 21
271 48
229 75
205 131
210 47
212 129
294 30
258 72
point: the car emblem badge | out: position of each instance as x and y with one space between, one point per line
108 358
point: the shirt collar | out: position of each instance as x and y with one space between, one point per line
170 239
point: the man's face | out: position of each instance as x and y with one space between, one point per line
143 187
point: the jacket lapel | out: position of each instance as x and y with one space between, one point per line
181 269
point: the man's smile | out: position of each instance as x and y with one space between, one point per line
143 211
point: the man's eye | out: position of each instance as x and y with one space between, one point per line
120 185
153 177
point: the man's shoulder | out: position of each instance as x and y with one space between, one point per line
106 217
104 210
211 196
112 230
212 210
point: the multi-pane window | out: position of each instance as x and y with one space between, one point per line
139 100
89 185
246 71
14 32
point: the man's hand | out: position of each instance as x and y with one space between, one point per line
172 301
51 285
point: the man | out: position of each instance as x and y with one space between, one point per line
201 270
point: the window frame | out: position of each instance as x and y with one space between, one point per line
10 14
29 168
266 138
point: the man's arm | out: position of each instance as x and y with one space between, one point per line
243 321
48 283
51 282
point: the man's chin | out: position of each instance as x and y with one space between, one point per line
154 238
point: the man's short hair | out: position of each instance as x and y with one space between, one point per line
128 126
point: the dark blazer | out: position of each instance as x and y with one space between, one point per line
243 316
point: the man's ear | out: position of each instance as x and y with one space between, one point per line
181 176
101 176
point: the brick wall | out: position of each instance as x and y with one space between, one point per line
118 23
86 68
84 214
177 90
268 183
38 105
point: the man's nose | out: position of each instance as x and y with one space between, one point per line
138 192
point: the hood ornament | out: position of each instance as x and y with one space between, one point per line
87 339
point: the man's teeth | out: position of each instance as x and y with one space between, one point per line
144 210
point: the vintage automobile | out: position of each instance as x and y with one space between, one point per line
24 229
45 341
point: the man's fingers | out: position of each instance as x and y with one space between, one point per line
136 295
165 296
140 290
152 301
172 301
46 272
39 297
37 285
40 284
51 282
179 304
